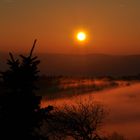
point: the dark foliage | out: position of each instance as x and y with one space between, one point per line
20 111
81 121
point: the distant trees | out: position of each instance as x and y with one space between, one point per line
81 121
20 110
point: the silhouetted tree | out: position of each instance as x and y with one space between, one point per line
20 111
81 121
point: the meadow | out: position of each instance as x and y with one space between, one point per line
52 87
121 102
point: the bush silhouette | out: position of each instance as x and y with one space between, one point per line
81 121
20 111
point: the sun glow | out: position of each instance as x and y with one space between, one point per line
81 36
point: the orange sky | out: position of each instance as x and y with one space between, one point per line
112 27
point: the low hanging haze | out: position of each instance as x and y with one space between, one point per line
110 26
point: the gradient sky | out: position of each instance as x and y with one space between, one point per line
112 26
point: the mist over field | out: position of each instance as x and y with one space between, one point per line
122 104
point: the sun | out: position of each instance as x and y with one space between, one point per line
81 36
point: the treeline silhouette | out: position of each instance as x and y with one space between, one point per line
20 111
22 118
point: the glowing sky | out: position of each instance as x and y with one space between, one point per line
112 26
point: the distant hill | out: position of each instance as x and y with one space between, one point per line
85 65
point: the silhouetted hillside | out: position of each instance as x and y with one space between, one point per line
86 65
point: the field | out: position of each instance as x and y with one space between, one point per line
64 87
121 102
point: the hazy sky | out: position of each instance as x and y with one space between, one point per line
112 26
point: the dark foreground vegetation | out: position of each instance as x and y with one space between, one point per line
22 118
